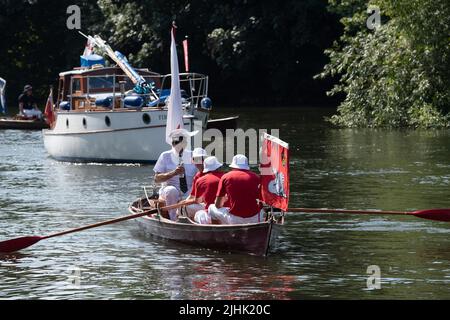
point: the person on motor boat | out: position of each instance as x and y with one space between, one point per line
241 188
175 171
205 188
27 104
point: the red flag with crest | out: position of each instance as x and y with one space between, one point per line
274 167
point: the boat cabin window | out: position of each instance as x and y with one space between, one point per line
101 82
76 84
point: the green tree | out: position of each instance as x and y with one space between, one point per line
255 51
395 75
36 44
261 51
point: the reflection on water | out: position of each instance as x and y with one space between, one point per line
318 255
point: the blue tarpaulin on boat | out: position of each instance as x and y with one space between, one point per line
90 60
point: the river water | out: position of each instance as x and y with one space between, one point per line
318 255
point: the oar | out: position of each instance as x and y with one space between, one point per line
17 244
431 214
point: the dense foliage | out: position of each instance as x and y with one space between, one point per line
255 51
395 75
36 45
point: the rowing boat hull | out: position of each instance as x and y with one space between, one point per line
254 238
22 124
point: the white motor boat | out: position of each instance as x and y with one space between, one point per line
96 122
118 114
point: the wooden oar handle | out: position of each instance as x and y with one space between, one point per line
324 210
132 216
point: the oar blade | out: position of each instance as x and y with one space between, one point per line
434 214
17 244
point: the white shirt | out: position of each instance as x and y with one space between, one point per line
168 161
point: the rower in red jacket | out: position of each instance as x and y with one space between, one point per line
241 187
205 188
198 156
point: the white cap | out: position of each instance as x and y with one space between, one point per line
181 132
211 164
240 162
199 152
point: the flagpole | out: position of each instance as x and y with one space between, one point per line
186 54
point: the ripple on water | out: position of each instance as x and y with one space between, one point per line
317 256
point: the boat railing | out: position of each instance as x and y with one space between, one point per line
194 85
116 88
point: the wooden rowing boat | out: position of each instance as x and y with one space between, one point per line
252 238
17 124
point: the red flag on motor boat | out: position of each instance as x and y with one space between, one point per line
49 114
186 55
274 167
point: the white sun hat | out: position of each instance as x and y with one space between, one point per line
240 162
199 152
182 132
211 164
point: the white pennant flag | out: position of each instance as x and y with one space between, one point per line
175 111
